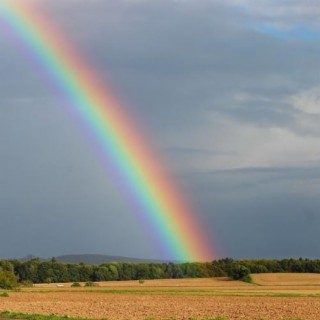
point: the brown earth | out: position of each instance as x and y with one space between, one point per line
179 299
282 279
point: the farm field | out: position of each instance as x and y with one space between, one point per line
272 296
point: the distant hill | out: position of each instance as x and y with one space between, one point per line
98 259
28 257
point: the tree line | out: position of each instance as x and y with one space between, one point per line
51 271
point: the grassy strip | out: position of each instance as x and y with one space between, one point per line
207 293
24 316
14 315
183 292
203 293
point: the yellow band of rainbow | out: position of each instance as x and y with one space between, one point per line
163 207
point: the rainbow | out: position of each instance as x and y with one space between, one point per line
166 212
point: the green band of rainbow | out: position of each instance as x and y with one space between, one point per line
168 213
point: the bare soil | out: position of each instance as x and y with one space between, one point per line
179 299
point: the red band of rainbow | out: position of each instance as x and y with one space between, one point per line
166 211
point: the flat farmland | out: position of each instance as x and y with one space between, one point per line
272 296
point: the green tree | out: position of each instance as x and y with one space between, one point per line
8 280
6 265
239 272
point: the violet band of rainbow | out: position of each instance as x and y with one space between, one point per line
164 208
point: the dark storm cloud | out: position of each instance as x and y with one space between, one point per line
231 107
261 212
201 54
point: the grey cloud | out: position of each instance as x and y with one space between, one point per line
160 52
210 91
283 15
261 212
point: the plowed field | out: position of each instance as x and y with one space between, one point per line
287 297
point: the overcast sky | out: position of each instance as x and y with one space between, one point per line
229 93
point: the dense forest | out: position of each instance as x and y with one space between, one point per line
39 271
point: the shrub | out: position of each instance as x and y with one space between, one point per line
141 281
76 284
4 294
90 284
48 280
8 280
239 272
26 283
247 278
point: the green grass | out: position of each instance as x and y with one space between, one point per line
189 292
24 316
16 315
4 294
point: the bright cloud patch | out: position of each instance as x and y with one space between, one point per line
307 101
290 19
